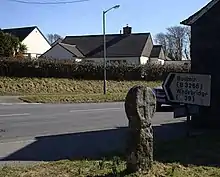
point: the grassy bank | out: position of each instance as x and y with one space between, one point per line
67 90
188 157
36 86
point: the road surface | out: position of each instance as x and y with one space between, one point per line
46 132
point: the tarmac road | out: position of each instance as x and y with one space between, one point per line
42 132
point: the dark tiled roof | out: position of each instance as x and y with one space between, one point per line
118 45
57 41
155 53
21 33
73 49
200 13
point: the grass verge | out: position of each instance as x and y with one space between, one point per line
54 86
188 157
103 169
53 90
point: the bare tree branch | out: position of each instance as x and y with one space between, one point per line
53 37
175 42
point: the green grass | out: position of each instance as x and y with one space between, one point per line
51 90
105 169
197 156
38 86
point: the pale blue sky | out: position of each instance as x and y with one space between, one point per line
86 17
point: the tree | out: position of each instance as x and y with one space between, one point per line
50 38
10 45
176 42
187 43
162 39
53 37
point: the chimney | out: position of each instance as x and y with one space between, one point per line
127 30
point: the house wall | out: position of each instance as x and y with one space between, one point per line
143 60
205 55
157 61
57 52
162 54
128 60
148 47
36 43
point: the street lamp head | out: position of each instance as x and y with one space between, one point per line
116 7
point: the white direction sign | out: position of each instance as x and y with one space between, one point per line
188 88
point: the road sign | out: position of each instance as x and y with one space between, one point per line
188 88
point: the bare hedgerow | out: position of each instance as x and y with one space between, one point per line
45 68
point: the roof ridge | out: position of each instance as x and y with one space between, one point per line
19 27
94 35
116 44
23 32
72 45
190 20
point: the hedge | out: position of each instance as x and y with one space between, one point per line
88 71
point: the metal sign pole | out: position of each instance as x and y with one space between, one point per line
188 119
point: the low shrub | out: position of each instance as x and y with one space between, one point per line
69 69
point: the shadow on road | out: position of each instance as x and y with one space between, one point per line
196 150
89 145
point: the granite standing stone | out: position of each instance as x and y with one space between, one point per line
140 106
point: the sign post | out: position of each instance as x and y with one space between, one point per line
188 88
191 90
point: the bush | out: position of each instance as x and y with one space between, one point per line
88 71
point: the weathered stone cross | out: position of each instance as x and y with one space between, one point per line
140 105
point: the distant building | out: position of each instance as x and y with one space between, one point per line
63 52
157 55
33 38
126 47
